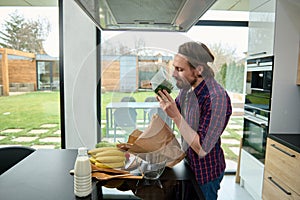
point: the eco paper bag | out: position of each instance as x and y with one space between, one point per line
157 137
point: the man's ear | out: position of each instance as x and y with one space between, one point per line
199 69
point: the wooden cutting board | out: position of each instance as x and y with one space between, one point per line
103 176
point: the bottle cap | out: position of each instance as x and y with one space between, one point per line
82 150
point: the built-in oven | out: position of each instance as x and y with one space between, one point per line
257 106
255 132
259 82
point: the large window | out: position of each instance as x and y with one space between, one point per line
30 105
130 59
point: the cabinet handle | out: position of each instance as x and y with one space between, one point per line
257 54
283 151
279 186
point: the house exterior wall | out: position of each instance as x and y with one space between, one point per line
110 75
22 71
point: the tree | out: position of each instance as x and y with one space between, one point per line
23 35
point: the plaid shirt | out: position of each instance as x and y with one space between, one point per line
208 118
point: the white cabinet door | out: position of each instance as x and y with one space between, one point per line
251 173
261 29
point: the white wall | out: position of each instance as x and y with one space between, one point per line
285 114
79 36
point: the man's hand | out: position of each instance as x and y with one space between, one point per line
168 104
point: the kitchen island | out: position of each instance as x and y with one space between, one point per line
45 175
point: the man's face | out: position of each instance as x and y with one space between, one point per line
184 75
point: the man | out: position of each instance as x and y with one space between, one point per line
201 112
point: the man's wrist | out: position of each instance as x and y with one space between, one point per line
177 119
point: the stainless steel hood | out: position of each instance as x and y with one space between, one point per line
154 15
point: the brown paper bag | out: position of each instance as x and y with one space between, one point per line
157 137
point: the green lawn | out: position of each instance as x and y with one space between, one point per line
29 110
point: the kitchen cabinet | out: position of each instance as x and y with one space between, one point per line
261 28
251 175
281 173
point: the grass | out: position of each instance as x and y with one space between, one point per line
31 110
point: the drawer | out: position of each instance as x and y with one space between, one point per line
284 163
275 189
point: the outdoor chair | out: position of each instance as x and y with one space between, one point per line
11 155
128 99
124 118
146 111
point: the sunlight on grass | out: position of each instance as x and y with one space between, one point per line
29 110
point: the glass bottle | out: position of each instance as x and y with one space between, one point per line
82 174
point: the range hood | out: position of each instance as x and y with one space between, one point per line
151 15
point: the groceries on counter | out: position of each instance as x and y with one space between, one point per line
107 157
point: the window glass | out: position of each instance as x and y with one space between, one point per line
130 59
29 104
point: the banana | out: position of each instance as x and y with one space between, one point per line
112 152
93 160
110 159
101 149
109 165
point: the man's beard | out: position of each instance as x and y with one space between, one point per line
185 84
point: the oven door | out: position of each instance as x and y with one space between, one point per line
255 136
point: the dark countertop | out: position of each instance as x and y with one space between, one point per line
290 140
44 174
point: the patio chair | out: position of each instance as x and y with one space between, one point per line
11 155
124 118
128 99
146 111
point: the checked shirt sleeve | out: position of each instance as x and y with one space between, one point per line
218 118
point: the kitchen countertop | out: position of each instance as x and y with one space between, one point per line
290 140
44 174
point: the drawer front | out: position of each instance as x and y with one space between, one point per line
284 163
276 189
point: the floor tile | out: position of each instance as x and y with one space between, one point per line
38 131
230 141
12 130
2 137
24 139
48 125
225 133
230 190
234 126
50 139
230 165
235 150
58 132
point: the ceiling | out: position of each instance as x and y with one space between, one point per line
28 2
230 5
